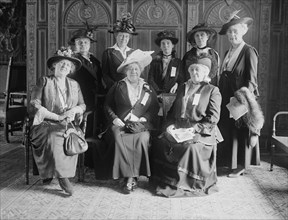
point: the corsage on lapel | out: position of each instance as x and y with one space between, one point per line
147 91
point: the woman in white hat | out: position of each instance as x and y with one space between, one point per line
113 56
184 157
200 37
239 69
131 108
55 100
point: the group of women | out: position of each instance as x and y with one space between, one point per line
176 166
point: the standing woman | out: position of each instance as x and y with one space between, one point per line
131 101
199 37
89 77
55 100
113 56
239 69
165 74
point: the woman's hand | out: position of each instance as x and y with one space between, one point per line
142 119
70 115
170 127
253 139
118 122
174 88
62 117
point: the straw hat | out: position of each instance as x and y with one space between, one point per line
124 25
200 27
235 19
166 35
64 54
143 58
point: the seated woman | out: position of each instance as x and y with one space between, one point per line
55 100
131 100
186 166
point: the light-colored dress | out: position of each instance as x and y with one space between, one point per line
47 134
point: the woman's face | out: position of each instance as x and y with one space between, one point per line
197 73
82 45
201 38
122 39
133 72
166 46
63 68
235 34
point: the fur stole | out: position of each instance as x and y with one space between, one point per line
254 118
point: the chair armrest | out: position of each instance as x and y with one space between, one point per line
84 121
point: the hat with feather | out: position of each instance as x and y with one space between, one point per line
235 19
84 33
124 25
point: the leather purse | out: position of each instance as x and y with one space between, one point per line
134 127
74 141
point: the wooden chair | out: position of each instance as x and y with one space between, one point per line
28 150
280 141
15 99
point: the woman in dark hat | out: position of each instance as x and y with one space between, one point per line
113 56
165 73
55 100
239 69
184 156
89 77
199 37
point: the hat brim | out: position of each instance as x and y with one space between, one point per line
129 32
72 40
245 20
143 58
190 34
158 40
54 59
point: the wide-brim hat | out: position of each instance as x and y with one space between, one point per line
64 54
166 35
200 27
233 21
82 33
143 58
124 25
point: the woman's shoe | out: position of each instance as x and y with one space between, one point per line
128 185
47 181
66 185
236 173
134 183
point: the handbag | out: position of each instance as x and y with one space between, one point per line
134 127
74 141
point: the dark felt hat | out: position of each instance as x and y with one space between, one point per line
200 27
64 54
234 19
124 25
166 35
82 33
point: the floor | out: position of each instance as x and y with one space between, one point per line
259 194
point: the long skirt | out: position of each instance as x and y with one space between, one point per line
183 169
131 153
48 151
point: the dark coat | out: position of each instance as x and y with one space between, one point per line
203 117
191 57
89 77
165 84
111 60
243 74
117 104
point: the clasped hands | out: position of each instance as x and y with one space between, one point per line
129 117
70 116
